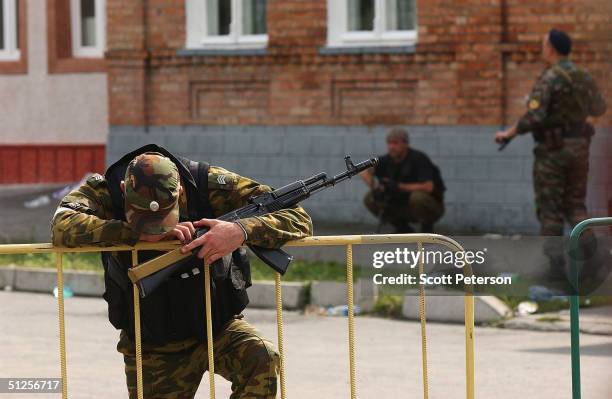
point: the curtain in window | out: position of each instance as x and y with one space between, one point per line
219 17
17 24
2 44
400 14
360 15
254 17
88 23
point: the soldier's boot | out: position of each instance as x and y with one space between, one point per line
557 273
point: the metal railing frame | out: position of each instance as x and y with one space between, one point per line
575 299
346 240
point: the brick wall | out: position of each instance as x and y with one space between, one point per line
474 62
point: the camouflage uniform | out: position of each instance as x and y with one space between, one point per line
557 116
174 370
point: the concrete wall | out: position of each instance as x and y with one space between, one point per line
39 107
487 190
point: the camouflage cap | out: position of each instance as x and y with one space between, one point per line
152 188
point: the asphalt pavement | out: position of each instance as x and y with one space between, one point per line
509 363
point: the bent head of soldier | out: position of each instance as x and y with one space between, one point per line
151 191
556 44
397 143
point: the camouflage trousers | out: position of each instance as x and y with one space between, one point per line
421 208
560 185
174 370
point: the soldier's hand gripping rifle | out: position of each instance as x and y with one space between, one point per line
153 273
504 143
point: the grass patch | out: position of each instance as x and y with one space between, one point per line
549 319
389 306
76 261
299 270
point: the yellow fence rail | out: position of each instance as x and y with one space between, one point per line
348 241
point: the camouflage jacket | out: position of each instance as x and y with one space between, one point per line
557 99
85 215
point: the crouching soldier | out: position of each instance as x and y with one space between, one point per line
151 195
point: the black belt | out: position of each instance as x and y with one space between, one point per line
567 131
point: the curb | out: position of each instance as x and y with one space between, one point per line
332 293
451 309
29 279
89 283
547 322
262 294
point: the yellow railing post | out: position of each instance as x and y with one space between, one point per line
279 330
423 320
469 346
137 334
351 319
62 326
209 332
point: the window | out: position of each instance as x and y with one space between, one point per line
88 28
9 30
371 22
226 23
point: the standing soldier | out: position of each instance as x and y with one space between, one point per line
562 100
558 108
150 195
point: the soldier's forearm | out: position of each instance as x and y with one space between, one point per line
276 229
74 229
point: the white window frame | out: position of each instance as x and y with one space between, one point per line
197 29
338 34
10 52
79 50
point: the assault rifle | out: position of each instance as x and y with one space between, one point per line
151 274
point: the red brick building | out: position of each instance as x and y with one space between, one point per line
278 89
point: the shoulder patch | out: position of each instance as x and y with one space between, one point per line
222 181
534 104
95 180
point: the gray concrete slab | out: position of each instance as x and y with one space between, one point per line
451 309
262 294
509 363
20 224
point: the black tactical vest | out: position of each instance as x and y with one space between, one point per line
174 311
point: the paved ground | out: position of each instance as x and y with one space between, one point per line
510 363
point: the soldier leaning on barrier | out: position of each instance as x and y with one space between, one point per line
152 196
560 103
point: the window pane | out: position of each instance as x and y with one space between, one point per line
254 17
2 47
219 13
401 14
88 23
360 15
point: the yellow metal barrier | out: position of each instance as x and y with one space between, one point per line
348 241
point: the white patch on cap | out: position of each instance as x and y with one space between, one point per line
154 206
